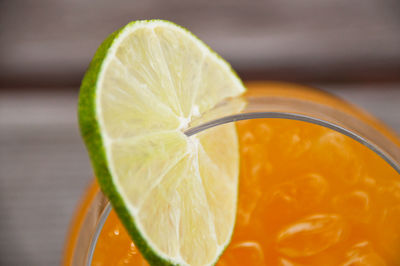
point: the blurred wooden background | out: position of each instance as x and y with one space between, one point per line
50 43
351 48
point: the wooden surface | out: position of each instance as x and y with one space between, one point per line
47 42
44 167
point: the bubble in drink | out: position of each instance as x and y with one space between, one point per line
310 235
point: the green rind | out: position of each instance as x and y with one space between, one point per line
90 131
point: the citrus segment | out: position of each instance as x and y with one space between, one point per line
175 194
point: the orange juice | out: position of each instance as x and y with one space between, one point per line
308 195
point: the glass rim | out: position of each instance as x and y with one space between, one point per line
257 115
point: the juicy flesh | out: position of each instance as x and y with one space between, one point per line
155 79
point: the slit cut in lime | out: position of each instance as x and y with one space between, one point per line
176 195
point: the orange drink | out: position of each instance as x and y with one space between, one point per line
308 194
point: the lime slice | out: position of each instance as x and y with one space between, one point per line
175 194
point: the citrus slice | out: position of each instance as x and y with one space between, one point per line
176 195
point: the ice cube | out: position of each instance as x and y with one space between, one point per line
369 182
263 132
355 205
298 195
247 204
291 141
287 262
282 195
389 232
310 235
248 138
362 253
390 193
249 251
310 190
336 153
